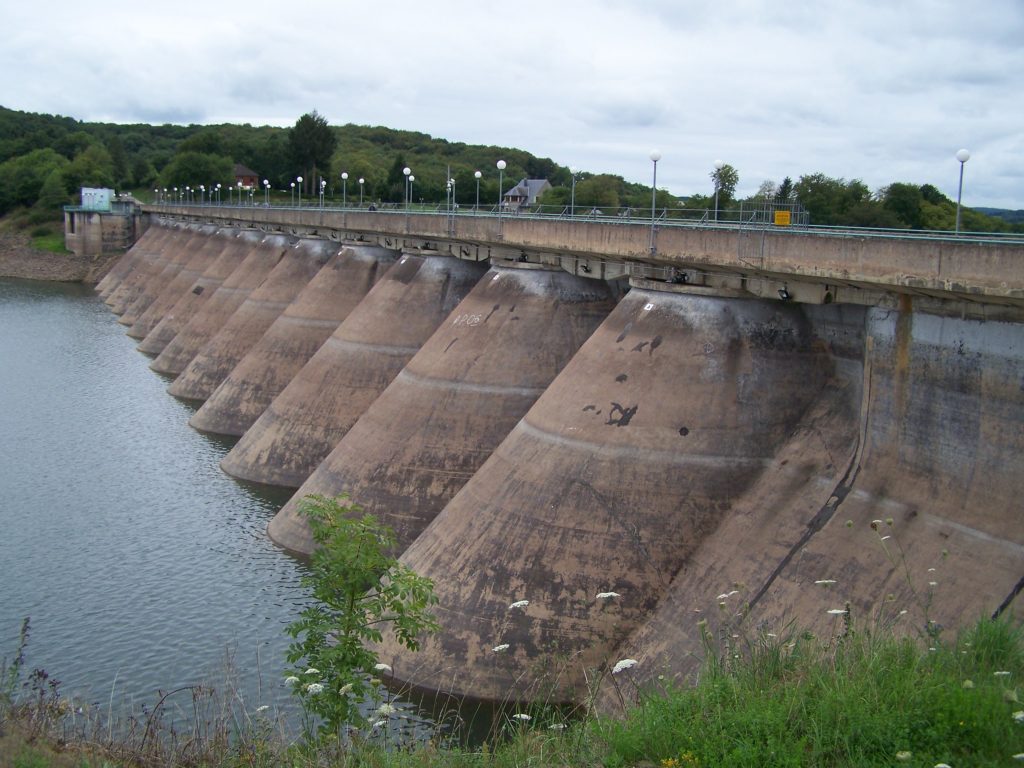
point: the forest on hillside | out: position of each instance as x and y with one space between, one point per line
46 159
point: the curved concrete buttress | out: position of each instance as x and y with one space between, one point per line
304 423
232 252
625 464
203 254
141 282
149 241
261 254
294 337
177 259
212 364
940 474
456 400
143 264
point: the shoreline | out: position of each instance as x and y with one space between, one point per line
18 259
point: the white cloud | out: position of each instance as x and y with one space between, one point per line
872 90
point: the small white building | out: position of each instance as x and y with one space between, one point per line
96 199
525 193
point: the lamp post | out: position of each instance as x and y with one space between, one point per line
202 194
655 157
451 182
293 194
323 187
406 171
477 175
298 180
962 156
719 165
412 178
572 194
266 192
344 189
218 194
175 198
501 165
361 182
239 185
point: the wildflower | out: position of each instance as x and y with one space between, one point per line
825 582
1018 716
967 684
264 708
607 595
312 671
943 765
519 604
874 527
623 664
345 689
500 648
557 726
1019 756
1002 673
314 688
933 583
382 667
903 612
386 710
837 611
291 680
669 762
931 570
903 755
727 595
887 536
521 716
379 723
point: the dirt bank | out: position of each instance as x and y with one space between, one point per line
19 259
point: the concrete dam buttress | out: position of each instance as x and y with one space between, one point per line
761 439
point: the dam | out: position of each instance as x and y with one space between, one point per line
705 424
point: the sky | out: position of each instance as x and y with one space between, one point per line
880 91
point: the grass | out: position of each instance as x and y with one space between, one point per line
49 241
859 699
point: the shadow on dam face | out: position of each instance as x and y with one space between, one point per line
293 338
198 261
350 370
262 253
456 400
225 254
151 241
626 463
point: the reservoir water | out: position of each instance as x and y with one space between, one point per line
141 564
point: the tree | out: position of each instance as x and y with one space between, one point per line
785 191
904 201
726 178
358 588
195 168
54 193
311 142
828 200
22 178
92 167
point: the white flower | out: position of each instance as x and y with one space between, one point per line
500 648
1018 716
519 604
607 595
904 755
382 667
291 680
314 688
312 671
933 583
837 611
727 595
825 582
943 765
967 684
345 689
379 723
886 537
1002 673
623 664
557 726
264 708
386 710
521 716
1019 756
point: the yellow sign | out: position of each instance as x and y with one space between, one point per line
782 218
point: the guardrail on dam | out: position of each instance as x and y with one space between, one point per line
735 424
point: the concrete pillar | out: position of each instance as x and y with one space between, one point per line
149 241
351 369
176 258
147 263
294 337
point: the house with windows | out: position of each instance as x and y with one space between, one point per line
524 194
247 176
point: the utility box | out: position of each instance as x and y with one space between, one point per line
96 199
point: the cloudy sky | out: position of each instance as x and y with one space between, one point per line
880 91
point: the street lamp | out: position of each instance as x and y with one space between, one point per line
239 185
361 182
344 189
501 165
408 191
411 180
655 157
202 194
572 195
293 194
266 192
323 186
719 165
298 180
218 194
477 175
962 156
